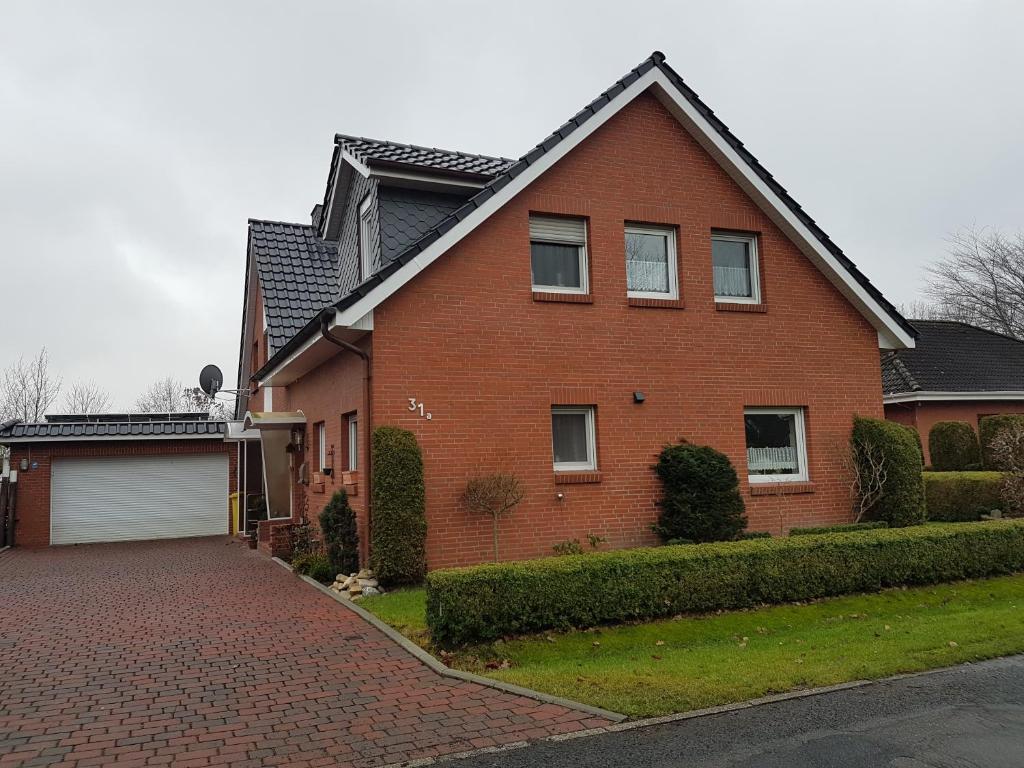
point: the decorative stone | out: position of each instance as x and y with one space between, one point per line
365 573
355 589
348 582
367 583
368 590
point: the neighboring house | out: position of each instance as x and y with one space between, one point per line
120 477
635 279
957 372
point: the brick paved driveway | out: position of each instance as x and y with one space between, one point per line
200 652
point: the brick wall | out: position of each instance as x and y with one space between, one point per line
328 395
468 339
923 416
33 526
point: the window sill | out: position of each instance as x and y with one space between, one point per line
733 306
565 298
643 301
577 478
782 488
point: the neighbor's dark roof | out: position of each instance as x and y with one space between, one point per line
955 357
506 175
114 430
296 272
370 150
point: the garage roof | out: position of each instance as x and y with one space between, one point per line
113 426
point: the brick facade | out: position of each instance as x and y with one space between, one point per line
488 358
923 416
33 511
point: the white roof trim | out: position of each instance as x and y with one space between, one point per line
891 334
925 397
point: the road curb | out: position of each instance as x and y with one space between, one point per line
458 674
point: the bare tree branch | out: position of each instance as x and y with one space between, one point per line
981 281
865 463
493 495
86 397
28 389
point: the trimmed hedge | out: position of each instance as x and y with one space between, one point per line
988 428
486 602
902 499
398 530
954 447
962 496
843 528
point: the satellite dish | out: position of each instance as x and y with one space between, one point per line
211 379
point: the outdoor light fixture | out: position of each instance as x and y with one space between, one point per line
639 397
24 465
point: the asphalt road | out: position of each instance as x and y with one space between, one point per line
970 716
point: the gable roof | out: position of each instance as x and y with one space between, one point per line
710 131
295 269
954 357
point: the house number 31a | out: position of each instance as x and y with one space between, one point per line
415 405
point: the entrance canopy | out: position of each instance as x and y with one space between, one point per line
275 430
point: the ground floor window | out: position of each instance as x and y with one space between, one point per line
776 444
573 440
321 445
352 434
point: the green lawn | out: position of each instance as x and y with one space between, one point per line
692 662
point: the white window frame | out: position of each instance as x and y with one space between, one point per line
803 475
352 435
755 269
581 247
321 441
576 466
365 236
669 233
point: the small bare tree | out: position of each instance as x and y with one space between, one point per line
86 397
865 463
28 389
1007 449
981 281
164 396
495 495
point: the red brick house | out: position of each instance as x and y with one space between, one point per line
636 278
957 372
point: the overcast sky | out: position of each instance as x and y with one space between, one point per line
136 138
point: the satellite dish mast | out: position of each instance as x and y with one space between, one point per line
210 380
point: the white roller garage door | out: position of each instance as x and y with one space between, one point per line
138 497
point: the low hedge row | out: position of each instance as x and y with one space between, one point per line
842 528
962 496
486 602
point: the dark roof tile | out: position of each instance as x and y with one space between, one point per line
955 357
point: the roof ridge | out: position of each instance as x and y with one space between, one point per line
343 137
894 357
284 223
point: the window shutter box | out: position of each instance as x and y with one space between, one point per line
553 229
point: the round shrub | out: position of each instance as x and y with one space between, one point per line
702 500
341 537
315 565
398 530
901 501
990 427
954 447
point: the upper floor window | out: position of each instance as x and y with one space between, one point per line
734 258
651 262
365 239
573 439
776 444
558 254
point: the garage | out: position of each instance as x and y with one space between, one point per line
138 497
84 479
